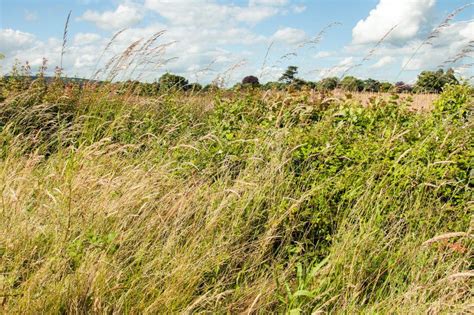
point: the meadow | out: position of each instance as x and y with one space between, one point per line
234 202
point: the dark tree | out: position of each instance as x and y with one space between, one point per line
288 76
328 84
174 82
371 85
250 80
194 87
402 87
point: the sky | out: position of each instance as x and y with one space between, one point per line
225 40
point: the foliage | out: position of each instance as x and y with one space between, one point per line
352 84
385 87
172 82
434 81
273 85
402 87
289 76
194 87
328 84
250 80
371 85
455 101
233 202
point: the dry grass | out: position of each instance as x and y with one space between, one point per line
232 202
422 102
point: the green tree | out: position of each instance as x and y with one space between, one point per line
352 84
371 85
434 81
328 84
386 87
250 81
289 75
194 87
173 82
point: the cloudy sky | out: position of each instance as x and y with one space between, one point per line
228 39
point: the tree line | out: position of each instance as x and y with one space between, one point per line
427 82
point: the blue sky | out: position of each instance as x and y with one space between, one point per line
208 40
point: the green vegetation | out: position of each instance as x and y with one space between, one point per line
433 82
233 202
352 84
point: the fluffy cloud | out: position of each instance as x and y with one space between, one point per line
13 40
198 33
268 2
86 38
408 15
382 62
255 15
449 45
298 8
323 54
210 13
346 62
125 15
289 35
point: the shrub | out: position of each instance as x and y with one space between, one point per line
455 100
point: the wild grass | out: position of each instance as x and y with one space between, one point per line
417 102
245 202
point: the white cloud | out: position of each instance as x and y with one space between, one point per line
13 40
323 54
408 15
125 15
348 61
86 38
298 8
449 44
210 13
468 31
268 2
255 15
289 35
198 13
384 61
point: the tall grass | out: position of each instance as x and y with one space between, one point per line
242 203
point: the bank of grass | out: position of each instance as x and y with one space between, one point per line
239 203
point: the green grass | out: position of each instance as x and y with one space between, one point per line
234 202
